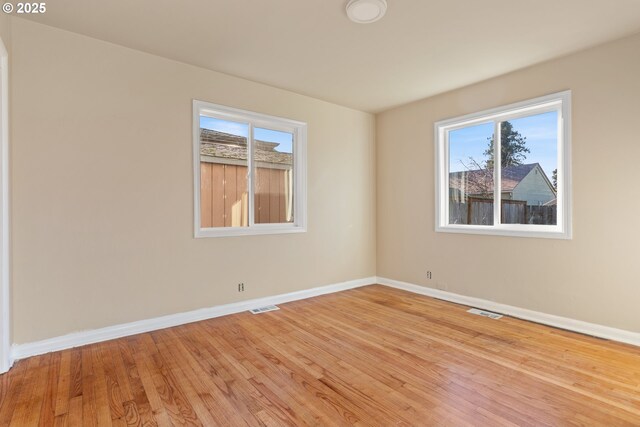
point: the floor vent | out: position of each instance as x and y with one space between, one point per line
484 313
264 309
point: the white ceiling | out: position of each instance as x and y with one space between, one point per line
420 48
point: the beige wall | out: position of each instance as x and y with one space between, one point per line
102 189
5 30
593 277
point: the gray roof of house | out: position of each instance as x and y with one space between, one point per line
481 180
228 146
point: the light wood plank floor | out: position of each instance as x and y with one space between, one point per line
372 356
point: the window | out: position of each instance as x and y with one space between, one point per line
506 171
250 172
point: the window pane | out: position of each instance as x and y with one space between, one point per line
223 173
529 162
471 184
274 186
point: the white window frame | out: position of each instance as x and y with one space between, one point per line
559 102
299 131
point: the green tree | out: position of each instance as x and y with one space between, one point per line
555 179
513 147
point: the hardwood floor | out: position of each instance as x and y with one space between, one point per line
373 356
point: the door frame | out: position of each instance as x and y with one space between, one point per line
5 294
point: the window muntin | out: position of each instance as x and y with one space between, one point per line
249 171
531 196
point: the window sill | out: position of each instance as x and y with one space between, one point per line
249 231
531 231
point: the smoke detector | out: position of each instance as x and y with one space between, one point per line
366 11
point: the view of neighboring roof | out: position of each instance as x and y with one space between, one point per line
481 180
228 146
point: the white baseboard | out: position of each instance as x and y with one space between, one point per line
76 339
587 328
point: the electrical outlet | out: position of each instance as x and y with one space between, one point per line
240 287
429 275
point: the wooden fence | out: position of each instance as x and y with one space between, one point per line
479 211
224 196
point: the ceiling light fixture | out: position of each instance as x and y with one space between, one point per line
366 11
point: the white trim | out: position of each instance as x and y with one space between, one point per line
251 185
257 229
560 102
299 131
21 351
497 174
5 295
579 326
